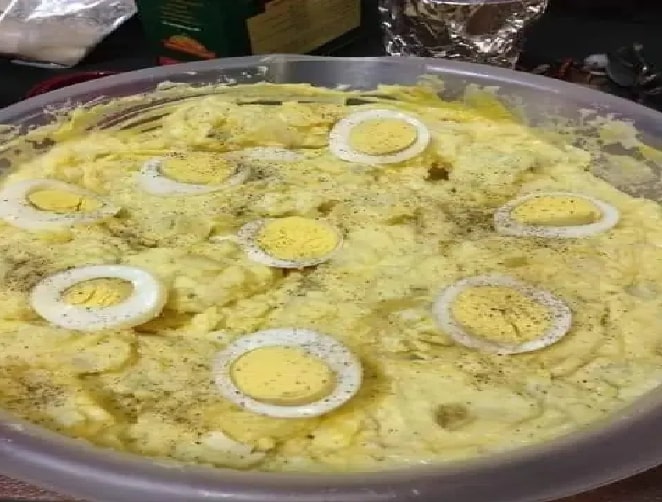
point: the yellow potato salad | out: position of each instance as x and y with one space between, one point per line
284 278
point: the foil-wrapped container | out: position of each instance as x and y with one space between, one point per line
480 31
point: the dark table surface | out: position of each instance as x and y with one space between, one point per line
569 29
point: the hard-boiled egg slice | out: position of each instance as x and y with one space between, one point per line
99 297
195 173
561 215
287 373
501 315
44 204
191 173
378 137
290 242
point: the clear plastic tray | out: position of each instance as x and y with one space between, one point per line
627 444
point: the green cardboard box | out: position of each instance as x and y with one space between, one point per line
188 30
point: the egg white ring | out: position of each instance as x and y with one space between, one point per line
152 180
17 210
339 145
145 302
340 359
247 238
560 312
506 225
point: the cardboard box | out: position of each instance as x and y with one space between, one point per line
188 30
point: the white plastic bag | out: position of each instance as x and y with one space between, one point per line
58 32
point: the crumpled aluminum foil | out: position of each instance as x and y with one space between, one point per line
479 31
58 32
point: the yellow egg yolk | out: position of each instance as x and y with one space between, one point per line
557 211
382 136
297 238
287 376
199 168
500 314
60 201
98 293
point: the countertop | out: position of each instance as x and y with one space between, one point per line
563 32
